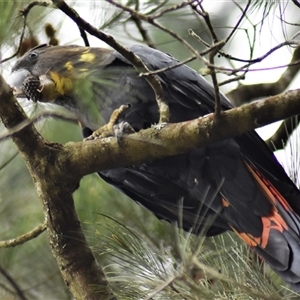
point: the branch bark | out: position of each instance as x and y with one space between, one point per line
156 142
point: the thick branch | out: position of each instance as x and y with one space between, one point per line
156 142
246 93
79 269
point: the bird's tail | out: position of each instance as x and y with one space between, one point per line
279 243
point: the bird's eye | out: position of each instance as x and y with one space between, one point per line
32 55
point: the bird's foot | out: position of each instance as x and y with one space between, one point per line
112 128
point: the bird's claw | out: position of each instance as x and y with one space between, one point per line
112 128
160 126
102 132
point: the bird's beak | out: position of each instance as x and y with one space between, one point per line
16 79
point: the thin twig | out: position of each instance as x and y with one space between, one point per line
84 37
215 274
24 237
170 9
236 78
3 165
289 23
261 58
207 20
231 71
246 93
161 287
216 87
151 20
236 26
13 284
20 42
198 38
250 42
212 54
296 3
144 33
134 59
35 119
25 11
176 65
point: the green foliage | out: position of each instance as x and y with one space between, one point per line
190 267
9 25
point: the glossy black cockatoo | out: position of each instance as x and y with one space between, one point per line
234 185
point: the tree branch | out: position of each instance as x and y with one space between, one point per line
24 237
87 157
296 3
246 93
152 20
16 287
143 32
200 10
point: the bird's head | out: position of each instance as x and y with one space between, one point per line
65 75
64 66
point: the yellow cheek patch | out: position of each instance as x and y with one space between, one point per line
69 66
87 57
62 84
